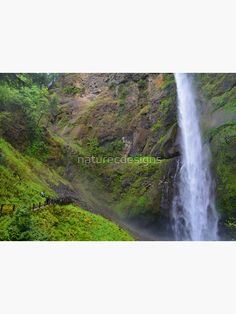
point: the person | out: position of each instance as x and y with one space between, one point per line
47 201
42 194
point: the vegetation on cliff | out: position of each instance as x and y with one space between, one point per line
219 95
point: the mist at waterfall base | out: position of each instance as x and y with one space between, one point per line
193 211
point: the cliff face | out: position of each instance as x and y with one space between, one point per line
121 115
138 108
218 104
135 115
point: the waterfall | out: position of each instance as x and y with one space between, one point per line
194 213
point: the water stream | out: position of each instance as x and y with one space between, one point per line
194 214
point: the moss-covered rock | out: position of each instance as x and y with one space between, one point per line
218 105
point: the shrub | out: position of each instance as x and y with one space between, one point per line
20 226
73 90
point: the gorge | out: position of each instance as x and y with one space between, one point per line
183 192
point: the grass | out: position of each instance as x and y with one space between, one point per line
23 178
60 223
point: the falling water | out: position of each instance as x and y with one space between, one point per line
194 213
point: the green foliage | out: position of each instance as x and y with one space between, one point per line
134 185
53 104
113 149
23 178
142 84
20 227
133 205
112 85
30 99
35 102
9 78
38 147
223 144
41 79
59 223
75 224
226 100
230 226
93 147
27 79
215 84
210 134
167 104
9 98
231 223
220 93
73 90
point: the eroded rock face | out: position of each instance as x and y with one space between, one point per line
135 115
138 107
126 115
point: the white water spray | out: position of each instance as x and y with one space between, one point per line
194 213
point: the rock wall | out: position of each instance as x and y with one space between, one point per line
135 115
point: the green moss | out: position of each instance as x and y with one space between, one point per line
223 144
156 126
211 133
58 139
226 100
166 105
132 185
215 84
145 110
168 81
